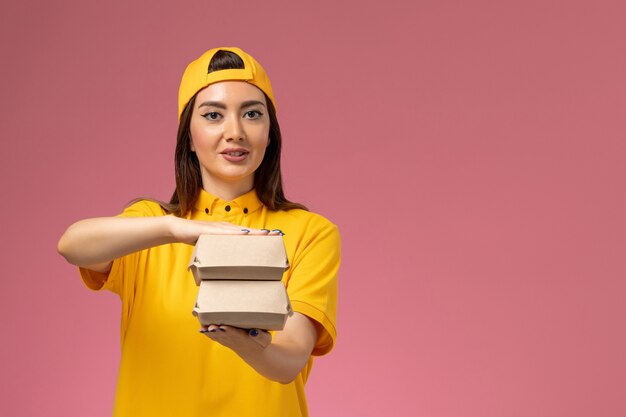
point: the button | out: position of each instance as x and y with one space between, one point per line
227 208
206 210
245 210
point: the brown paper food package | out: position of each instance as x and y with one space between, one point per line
246 304
234 257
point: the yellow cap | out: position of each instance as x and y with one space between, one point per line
197 77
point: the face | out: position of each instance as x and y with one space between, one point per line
229 133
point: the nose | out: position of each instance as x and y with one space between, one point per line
233 129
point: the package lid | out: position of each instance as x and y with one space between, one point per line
246 304
233 257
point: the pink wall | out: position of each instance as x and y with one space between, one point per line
472 154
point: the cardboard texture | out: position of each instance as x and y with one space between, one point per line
233 257
246 304
240 279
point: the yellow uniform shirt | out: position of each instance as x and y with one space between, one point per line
167 367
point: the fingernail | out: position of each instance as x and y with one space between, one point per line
245 230
253 332
211 330
203 330
223 330
266 230
279 231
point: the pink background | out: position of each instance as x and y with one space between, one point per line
472 154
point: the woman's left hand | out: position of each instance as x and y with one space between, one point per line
280 357
239 340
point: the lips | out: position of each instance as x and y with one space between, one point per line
235 154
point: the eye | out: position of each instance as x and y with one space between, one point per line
253 114
213 115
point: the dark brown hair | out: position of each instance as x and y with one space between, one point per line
267 178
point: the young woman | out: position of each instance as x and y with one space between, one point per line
228 181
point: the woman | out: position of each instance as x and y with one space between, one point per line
228 181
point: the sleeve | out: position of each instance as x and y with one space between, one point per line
312 284
114 280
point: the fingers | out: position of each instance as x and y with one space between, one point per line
224 228
229 228
275 232
234 337
211 328
257 232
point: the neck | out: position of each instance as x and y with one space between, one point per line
227 191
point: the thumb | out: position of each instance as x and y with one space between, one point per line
261 337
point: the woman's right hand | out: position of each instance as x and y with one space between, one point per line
188 231
95 243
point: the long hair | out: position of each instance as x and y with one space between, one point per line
267 178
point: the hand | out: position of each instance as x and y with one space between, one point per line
279 356
239 340
188 231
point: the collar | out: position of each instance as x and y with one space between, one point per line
245 204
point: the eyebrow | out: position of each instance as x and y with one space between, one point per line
221 105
